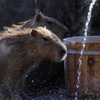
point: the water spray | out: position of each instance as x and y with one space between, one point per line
83 47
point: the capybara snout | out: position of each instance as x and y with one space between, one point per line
57 52
66 32
62 52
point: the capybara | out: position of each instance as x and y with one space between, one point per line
45 66
19 52
41 20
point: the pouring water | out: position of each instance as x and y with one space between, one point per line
83 46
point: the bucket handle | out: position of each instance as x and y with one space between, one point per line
90 61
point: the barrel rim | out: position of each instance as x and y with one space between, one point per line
75 39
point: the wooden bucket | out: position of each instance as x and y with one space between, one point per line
90 68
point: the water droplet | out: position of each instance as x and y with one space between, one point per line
50 91
32 81
35 60
18 68
60 95
44 81
26 75
8 78
2 85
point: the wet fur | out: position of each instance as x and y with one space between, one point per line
23 49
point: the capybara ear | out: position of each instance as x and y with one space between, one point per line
38 11
38 17
34 33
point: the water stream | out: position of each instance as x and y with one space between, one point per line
83 47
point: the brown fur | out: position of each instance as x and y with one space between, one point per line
41 20
18 52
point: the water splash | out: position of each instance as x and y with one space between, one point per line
83 46
35 1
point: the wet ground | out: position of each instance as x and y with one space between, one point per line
49 86
58 94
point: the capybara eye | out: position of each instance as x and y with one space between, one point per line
45 38
50 22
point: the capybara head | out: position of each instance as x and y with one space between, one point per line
48 45
38 44
53 25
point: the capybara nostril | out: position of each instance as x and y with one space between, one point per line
62 52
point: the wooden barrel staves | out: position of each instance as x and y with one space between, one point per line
90 68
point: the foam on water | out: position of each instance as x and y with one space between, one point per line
83 46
